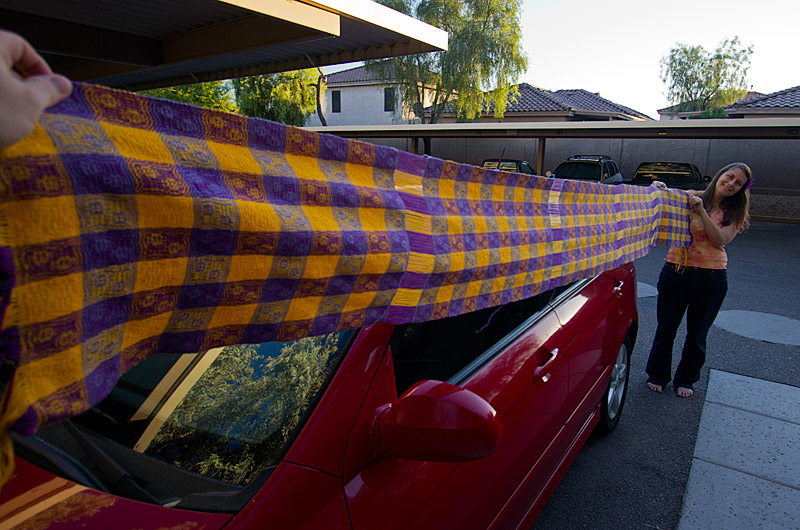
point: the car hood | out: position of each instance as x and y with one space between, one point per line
35 498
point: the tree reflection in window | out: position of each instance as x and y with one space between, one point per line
242 412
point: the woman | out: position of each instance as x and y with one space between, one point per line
694 280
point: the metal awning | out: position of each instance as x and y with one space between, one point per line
772 128
137 44
763 128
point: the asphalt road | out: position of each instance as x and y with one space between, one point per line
636 477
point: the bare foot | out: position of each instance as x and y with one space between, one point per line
655 388
684 392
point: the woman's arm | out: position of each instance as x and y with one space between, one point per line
718 236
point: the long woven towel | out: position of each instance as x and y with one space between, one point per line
131 225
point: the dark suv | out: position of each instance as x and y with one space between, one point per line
674 174
596 168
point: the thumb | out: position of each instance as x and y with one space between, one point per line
47 89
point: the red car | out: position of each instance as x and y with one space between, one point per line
464 422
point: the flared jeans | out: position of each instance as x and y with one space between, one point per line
697 293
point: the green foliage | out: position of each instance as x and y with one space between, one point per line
696 78
212 95
287 97
239 415
482 63
709 113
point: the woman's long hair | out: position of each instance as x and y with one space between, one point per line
735 208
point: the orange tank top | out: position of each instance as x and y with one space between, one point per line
702 252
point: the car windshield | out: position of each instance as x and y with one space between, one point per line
664 171
224 414
504 166
578 170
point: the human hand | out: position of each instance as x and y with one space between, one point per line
658 184
696 204
24 95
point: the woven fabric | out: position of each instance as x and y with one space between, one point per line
131 225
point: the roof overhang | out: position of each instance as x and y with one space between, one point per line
764 128
137 44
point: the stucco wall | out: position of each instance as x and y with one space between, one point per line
774 162
360 105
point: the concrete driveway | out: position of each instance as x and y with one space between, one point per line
637 477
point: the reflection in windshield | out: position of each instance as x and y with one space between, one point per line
238 415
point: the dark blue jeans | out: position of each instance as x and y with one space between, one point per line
698 293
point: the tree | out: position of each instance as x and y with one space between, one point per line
482 63
697 79
287 97
212 95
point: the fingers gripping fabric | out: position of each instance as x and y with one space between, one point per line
131 225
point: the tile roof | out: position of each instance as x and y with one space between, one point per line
359 74
584 100
787 98
751 95
783 99
534 99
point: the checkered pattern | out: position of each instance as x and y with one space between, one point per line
131 225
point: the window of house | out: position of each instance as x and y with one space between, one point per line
388 99
336 101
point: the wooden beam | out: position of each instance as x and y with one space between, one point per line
295 12
245 33
77 40
540 157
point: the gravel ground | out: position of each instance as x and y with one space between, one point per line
785 206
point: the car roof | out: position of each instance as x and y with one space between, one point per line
666 165
589 157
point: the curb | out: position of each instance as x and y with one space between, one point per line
789 220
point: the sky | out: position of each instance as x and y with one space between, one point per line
614 47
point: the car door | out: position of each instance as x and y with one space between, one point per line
524 376
591 319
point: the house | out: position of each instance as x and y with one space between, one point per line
533 104
360 96
781 104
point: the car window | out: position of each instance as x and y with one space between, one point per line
578 170
440 349
224 414
526 168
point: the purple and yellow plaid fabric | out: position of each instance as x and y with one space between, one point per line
131 225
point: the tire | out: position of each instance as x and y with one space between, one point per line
614 397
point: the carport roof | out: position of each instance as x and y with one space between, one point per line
761 128
137 44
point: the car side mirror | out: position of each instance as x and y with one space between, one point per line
706 179
439 422
548 174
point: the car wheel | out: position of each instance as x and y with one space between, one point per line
614 398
